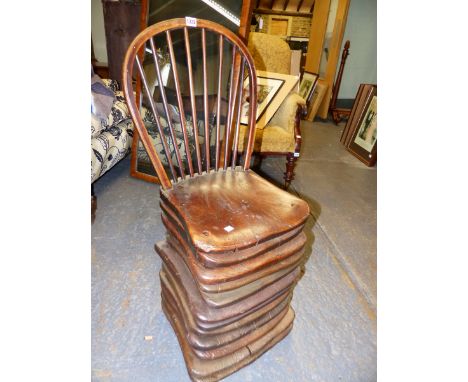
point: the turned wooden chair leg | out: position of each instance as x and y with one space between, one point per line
289 174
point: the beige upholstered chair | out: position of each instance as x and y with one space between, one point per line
282 135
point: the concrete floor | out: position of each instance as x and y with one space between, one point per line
334 334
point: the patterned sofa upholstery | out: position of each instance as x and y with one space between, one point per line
111 139
151 126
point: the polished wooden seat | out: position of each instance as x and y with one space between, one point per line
234 248
202 311
240 274
227 343
220 259
212 370
209 339
228 197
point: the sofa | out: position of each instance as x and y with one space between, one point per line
111 132
111 139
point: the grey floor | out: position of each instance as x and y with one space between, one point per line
334 334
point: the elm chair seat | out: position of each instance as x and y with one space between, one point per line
220 214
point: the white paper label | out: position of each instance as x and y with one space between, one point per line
296 155
229 228
190 21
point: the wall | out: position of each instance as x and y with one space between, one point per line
361 30
300 26
98 34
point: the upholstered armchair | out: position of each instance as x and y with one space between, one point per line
282 135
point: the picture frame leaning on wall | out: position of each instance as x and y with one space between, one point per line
363 131
308 84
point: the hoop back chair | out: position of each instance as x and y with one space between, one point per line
204 160
234 241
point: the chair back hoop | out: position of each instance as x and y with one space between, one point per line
185 154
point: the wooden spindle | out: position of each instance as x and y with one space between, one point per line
168 116
192 100
139 124
156 117
240 93
205 103
252 118
218 108
179 101
227 130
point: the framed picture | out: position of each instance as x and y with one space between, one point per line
308 84
362 142
316 99
266 90
272 89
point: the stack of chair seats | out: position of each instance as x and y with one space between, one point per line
235 244
231 260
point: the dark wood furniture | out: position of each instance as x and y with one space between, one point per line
121 24
339 113
234 246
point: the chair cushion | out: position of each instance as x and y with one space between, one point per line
271 139
233 209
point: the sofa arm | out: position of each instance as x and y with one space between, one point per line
285 116
119 111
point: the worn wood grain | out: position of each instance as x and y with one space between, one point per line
220 259
220 299
202 339
243 273
177 269
207 204
208 329
213 370
220 349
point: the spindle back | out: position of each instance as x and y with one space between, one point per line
193 103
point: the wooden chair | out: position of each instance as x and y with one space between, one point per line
234 243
